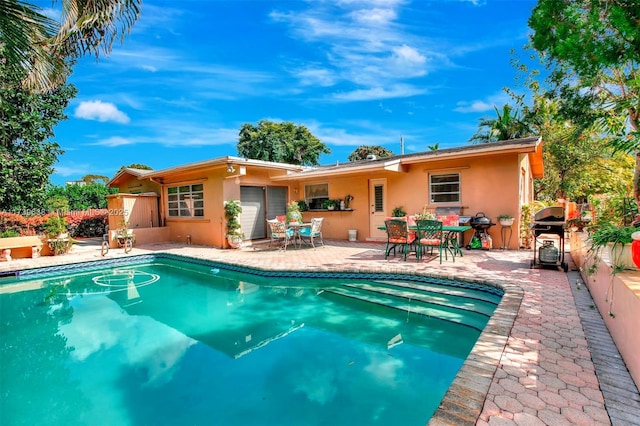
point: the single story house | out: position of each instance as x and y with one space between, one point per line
186 203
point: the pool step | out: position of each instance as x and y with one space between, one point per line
413 303
458 298
474 291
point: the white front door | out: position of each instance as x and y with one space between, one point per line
377 208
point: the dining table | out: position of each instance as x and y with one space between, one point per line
452 235
297 226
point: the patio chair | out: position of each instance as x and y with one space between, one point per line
279 233
398 235
309 234
429 234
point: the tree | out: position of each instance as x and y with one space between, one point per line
361 152
134 166
93 178
592 50
26 153
507 125
78 197
36 48
280 142
578 162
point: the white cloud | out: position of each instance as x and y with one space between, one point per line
114 141
362 45
72 170
100 111
316 77
396 91
482 105
374 16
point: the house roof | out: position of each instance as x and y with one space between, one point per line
206 164
530 146
124 171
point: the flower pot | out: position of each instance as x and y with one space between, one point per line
506 222
235 241
621 256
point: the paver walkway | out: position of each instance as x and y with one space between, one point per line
545 372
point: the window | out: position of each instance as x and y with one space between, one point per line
186 201
316 194
378 202
445 188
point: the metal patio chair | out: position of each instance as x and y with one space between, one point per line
429 235
279 232
398 235
309 234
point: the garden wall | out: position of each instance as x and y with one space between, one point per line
617 298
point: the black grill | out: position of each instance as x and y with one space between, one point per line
549 221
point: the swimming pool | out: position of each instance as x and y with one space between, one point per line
157 340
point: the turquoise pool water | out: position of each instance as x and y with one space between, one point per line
166 342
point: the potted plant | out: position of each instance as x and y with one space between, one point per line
617 239
58 238
293 212
505 219
302 204
425 215
398 212
347 201
329 204
55 227
232 210
124 236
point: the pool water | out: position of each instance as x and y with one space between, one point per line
170 343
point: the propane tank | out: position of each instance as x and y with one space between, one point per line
487 242
548 253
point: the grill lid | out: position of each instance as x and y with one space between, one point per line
549 216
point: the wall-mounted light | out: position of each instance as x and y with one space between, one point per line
230 168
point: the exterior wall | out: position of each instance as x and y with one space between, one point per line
219 186
144 236
207 230
494 184
488 184
618 294
135 186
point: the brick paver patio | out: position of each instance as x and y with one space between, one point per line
531 366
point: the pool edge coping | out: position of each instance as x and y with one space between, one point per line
463 402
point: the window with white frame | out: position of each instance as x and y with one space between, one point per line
185 200
316 194
445 188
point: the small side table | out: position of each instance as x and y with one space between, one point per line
506 240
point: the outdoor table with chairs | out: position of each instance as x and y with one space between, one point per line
302 232
421 235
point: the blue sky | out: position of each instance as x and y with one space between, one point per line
355 72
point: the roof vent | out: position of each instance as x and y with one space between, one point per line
371 157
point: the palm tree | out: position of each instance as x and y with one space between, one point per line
508 125
37 49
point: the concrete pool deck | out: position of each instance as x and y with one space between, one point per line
543 359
